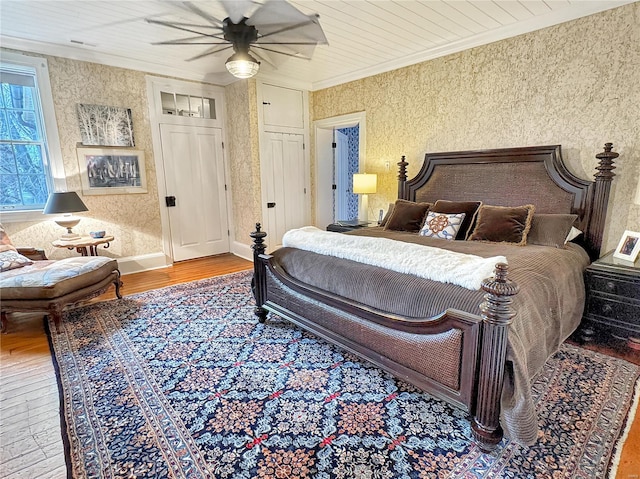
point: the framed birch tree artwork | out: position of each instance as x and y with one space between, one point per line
105 125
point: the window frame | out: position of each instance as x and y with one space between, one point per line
53 163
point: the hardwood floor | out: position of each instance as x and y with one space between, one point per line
30 439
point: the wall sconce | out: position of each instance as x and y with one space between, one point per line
67 204
365 184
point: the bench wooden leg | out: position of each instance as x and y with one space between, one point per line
55 313
118 285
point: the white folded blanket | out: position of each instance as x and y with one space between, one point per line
427 262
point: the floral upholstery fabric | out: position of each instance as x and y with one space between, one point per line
50 279
5 241
441 225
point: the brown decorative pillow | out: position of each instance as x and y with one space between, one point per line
550 229
387 216
469 208
407 216
503 224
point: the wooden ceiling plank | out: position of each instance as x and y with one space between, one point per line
536 7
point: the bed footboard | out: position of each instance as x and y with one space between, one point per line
481 360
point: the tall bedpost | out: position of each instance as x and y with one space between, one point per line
496 314
402 178
259 281
601 190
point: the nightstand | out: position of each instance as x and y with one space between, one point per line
613 300
81 244
344 227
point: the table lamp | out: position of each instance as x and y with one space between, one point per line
67 204
365 184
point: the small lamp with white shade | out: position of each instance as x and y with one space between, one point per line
365 184
66 204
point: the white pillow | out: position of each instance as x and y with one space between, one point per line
442 225
573 234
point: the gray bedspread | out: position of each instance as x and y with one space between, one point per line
549 305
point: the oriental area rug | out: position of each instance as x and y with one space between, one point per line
183 382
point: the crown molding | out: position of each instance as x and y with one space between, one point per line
81 54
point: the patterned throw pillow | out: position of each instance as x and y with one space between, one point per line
12 259
5 242
442 225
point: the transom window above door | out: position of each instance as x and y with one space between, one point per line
188 105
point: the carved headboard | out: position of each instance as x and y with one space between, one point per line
517 176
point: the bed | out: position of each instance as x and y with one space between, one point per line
475 348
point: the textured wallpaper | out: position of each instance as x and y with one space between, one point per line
133 219
575 84
244 157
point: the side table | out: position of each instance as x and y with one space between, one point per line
613 300
81 244
343 227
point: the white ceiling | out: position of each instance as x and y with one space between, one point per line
365 36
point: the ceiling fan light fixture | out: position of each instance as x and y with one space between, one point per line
242 65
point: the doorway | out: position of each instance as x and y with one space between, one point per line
336 166
187 121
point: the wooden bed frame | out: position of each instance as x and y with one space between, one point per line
476 175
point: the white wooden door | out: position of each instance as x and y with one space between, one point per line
284 184
194 175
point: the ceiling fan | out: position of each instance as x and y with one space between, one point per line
273 27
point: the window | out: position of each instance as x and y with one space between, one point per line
187 105
30 159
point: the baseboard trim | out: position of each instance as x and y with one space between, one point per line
144 262
242 250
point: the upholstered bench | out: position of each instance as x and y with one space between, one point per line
51 286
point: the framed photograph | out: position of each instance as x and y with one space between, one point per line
111 171
629 246
105 125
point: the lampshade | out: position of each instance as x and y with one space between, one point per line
242 65
68 202
65 204
364 183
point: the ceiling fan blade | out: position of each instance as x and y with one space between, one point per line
264 57
210 51
276 12
182 42
294 55
283 23
197 10
178 26
179 41
288 28
237 9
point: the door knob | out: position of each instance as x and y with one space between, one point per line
170 201
271 205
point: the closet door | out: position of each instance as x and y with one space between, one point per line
285 192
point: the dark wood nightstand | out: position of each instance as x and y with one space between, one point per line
344 227
613 301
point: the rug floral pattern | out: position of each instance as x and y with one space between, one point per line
183 382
